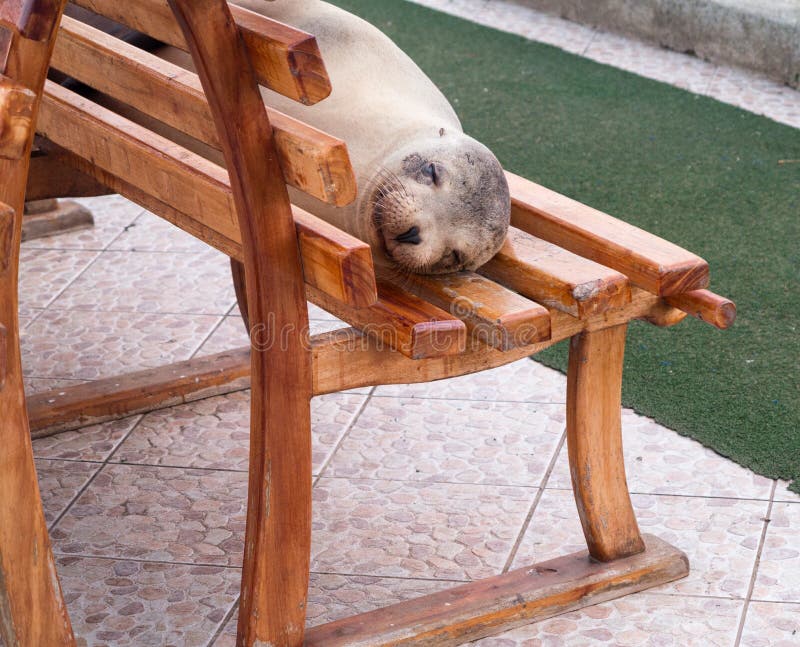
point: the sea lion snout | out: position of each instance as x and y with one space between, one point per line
440 208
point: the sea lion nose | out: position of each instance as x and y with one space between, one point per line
411 237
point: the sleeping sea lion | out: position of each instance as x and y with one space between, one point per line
430 198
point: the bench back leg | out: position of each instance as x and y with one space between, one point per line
594 442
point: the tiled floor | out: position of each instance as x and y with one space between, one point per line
416 487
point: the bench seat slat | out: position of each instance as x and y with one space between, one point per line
284 59
493 315
312 161
556 277
192 192
647 260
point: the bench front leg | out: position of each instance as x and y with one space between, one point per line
594 442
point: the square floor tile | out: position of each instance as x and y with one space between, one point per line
44 273
60 482
520 381
783 493
641 619
112 214
660 461
158 513
457 441
331 597
720 537
150 233
115 603
154 282
416 530
537 26
779 571
93 443
91 345
771 624
215 432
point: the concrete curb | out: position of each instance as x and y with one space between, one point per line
762 35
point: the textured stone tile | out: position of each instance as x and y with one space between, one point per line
782 493
44 273
520 381
416 530
537 26
90 345
641 619
60 482
720 537
660 461
153 234
756 93
94 443
331 597
770 624
779 572
215 432
687 72
231 333
158 513
113 603
35 385
112 214
153 282
451 440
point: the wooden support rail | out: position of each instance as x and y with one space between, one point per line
706 306
647 260
284 59
556 277
311 160
192 192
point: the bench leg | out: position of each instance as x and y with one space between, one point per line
594 442
32 611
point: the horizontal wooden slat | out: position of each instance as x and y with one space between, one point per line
312 161
125 395
706 306
403 322
647 260
192 192
284 59
496 604
556 277
493 315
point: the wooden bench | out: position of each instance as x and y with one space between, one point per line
566 271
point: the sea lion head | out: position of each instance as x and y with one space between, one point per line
438 205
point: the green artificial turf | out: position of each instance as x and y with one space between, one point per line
700 173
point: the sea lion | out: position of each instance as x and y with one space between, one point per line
430 198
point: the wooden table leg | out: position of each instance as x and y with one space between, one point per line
594 441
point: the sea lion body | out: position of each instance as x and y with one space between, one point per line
430 198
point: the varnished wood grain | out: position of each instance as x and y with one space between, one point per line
32 18
493 315
497 604
274 591
186 188
312 161
556 277
647 260
706 306
594 443
116 397
16 118
402 321
51 177
283 58
32 609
